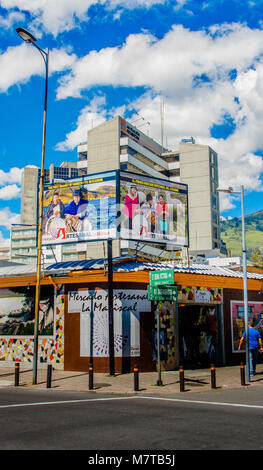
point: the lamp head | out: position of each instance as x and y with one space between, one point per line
229 190
25 35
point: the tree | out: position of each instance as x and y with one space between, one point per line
257 258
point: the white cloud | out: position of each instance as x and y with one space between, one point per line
226 203
177 65
60 60
11 191
18 64
132 4
10 183
14 175
170 63
91 116
7 218
11 18
4 242
64 15
52 17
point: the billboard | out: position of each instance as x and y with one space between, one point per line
115 204
17 311
80 209
153 210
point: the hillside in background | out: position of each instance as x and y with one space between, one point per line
231 234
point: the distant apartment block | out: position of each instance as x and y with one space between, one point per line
5 253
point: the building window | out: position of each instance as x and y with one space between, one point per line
214 216
82 156
213 172
61 172
74 173
214 202
213 187
215 233
213 158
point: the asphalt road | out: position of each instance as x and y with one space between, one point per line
50 419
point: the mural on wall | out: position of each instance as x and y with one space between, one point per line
167 336
94 330
202 295
17 311
50 348
255 312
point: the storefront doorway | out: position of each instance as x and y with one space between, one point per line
198 335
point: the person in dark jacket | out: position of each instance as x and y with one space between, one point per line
76 211
77 207
255 343
56 207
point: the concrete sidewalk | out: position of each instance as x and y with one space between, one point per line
198 380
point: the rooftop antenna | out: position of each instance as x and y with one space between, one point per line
138 119
162 118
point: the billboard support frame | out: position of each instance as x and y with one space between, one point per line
110 308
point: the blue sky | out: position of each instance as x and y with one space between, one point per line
108 57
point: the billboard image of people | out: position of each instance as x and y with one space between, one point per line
153 210
80 209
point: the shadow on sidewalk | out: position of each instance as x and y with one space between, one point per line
23 371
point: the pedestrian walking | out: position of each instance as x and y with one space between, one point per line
255 343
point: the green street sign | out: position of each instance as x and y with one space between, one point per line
164 277
168 293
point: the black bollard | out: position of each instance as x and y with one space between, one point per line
213 376
49 375
17 374
91 384
136 378
242 374
181 377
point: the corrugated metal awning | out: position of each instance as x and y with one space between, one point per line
125 264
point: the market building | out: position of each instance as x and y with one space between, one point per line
202 327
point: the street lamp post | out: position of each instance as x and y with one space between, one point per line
30 39
245 297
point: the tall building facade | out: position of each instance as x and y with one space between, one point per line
199 170
117 144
